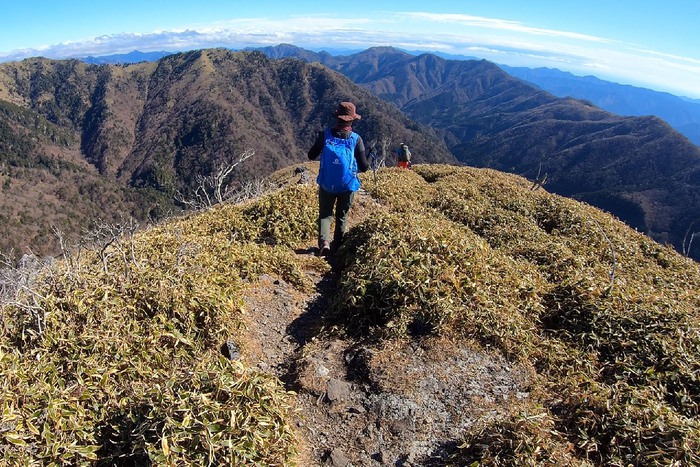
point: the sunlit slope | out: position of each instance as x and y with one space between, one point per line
117 356
609 319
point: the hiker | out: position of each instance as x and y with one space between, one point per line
342 154
372 158
404 156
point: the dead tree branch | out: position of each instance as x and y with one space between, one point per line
539 180
113 239
385 144
19 288
689 237
250 190
212 189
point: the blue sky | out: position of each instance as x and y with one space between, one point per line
654 44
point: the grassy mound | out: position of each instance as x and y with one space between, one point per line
609 319
118 361
114 356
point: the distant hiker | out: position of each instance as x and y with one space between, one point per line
373 157
342 154
404 156
373 162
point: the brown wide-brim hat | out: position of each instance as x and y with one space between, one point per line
346 112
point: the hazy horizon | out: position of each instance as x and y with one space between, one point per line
638 45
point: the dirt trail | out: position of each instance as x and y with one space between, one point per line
359 404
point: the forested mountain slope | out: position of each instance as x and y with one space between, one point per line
637 168
83 141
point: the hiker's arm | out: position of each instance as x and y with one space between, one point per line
316 149
363 163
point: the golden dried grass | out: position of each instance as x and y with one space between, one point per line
607 317
127 366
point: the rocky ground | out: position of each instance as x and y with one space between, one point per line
362 403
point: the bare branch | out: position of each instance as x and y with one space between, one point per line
539 182
250 190
385 144
612 252
689 237
212 189
113 239
690 243
19 288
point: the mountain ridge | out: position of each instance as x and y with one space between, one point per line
682 114
135 56
623 99
151 129
466 318
154 127
638 168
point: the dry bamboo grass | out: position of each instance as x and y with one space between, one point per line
481 257
127 367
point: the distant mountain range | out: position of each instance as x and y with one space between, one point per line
81 142
637 168
72 132
683 114
127 58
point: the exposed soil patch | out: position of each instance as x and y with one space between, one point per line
363 403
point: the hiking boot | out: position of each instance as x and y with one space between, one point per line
324 248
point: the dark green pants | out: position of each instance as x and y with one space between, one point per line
326 202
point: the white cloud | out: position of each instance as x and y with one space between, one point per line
501 24
503 41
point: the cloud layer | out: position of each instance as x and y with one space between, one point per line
501 41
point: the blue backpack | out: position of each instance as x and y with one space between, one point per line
338 171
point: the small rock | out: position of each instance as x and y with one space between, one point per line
383 457
356 409
337 390
322 370
231 350
398 427
339 459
